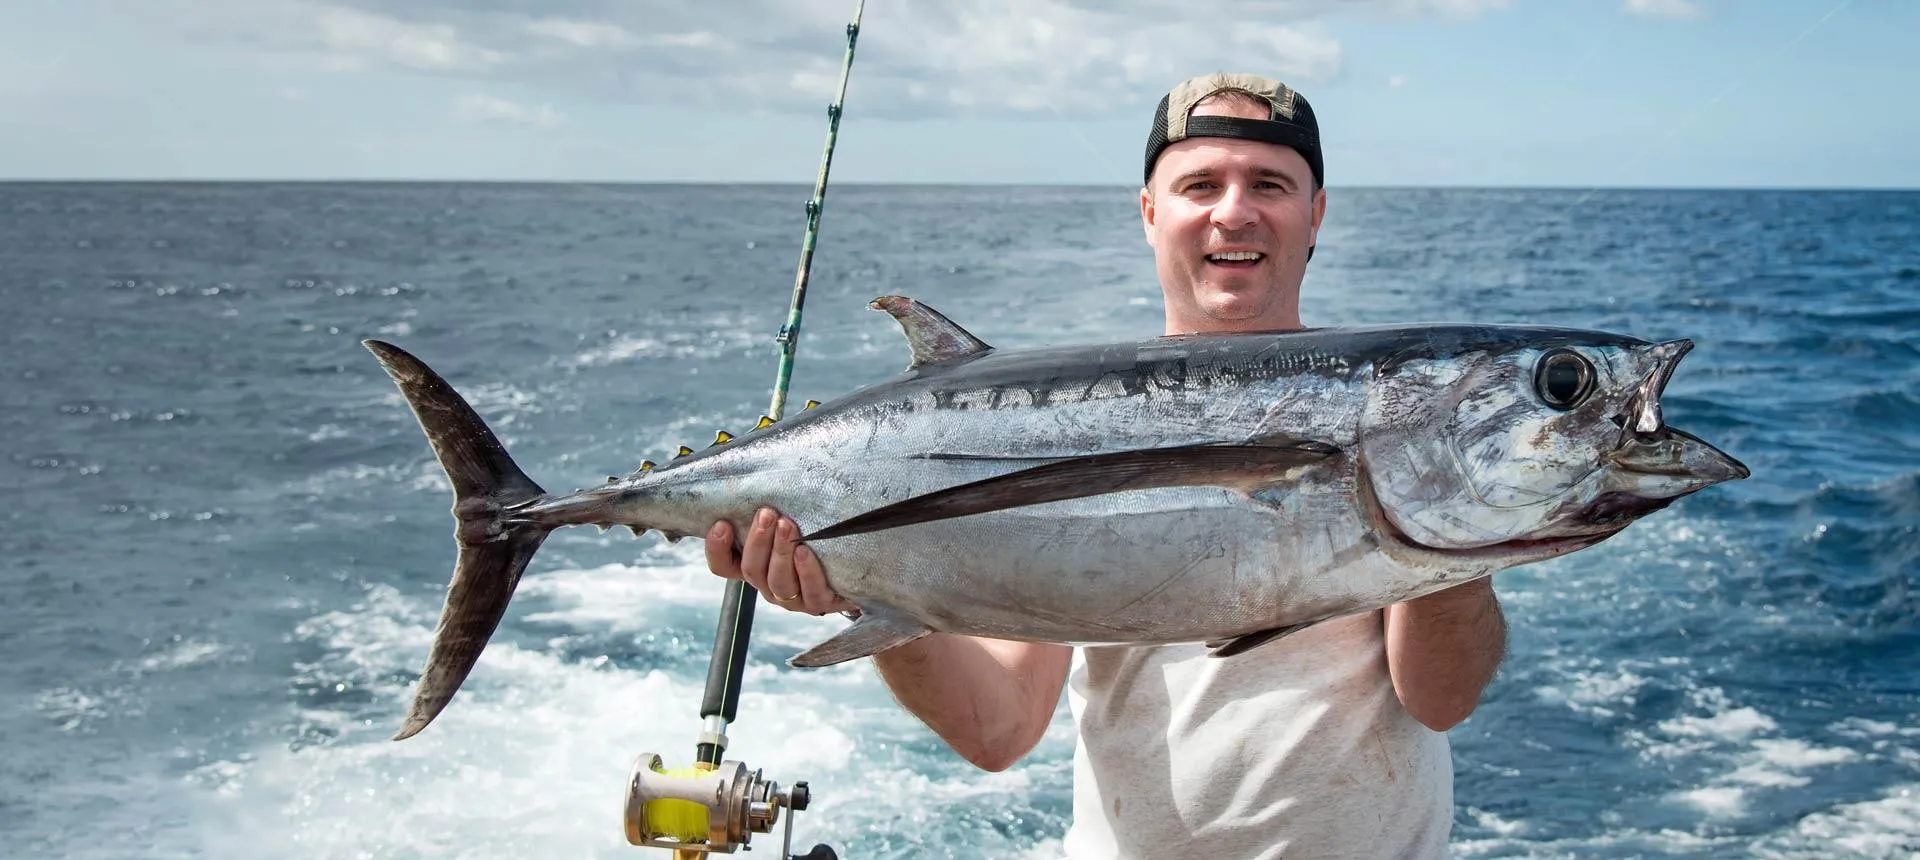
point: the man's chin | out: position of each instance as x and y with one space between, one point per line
1246 309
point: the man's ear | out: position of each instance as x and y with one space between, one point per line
1147 212
1319 214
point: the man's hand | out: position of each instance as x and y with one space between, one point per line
773 560
989 700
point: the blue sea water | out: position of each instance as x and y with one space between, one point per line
227 542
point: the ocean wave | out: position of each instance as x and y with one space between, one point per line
533 754
1887 828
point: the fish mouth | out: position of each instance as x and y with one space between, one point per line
1664 463
1643 415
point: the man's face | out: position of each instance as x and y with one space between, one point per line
1230 222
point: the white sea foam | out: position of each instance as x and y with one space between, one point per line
190 652
1729 725
1861 729
1595 693
1496 824
1881 829
1615 842
616 351
719 338
1799 755
1720 801
70 709
328 431
531 759
1737 741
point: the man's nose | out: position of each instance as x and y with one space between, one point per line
1234 209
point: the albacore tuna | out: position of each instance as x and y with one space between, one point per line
1226 489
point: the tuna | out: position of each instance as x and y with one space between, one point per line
1220 488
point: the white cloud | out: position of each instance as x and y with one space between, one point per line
343 38
996 58
1670 9
489 109
1396 81
380 39
584 34
1453 8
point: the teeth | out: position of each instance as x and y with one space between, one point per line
1236 255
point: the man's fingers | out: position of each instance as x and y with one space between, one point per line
819 597
783 585
755 549
720 557
771 560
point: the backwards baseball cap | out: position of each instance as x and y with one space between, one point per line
1289 119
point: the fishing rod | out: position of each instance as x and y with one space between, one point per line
716 806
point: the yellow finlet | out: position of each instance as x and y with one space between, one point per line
646 465
765 422
812 403
722 438
684 451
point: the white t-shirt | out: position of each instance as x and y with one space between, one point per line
1297 748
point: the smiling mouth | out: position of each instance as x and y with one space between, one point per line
1236 259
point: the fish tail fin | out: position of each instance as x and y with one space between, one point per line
493 548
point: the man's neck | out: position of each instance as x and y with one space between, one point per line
1290 322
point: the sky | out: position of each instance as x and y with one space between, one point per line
1562 93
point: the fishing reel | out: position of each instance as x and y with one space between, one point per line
711 809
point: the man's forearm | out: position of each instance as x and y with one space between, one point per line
989 700
1442 650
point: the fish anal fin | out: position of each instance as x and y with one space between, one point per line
1244 467
875 631
933 337
1243 644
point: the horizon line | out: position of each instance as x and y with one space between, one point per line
907 184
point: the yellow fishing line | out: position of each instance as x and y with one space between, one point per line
680 820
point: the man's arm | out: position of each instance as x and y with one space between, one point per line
990 700
1442 650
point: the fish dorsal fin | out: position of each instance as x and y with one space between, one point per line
934 338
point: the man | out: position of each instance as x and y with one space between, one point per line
1326 743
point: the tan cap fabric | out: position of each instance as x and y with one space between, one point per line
1289 123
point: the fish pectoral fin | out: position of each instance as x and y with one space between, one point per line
1240 466
1243 644
932 336
875 631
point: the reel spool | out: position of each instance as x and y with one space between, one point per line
710 810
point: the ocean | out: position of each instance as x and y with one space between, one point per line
228 541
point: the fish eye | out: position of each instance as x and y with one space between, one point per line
1563 378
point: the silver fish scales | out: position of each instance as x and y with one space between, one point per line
1227 489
